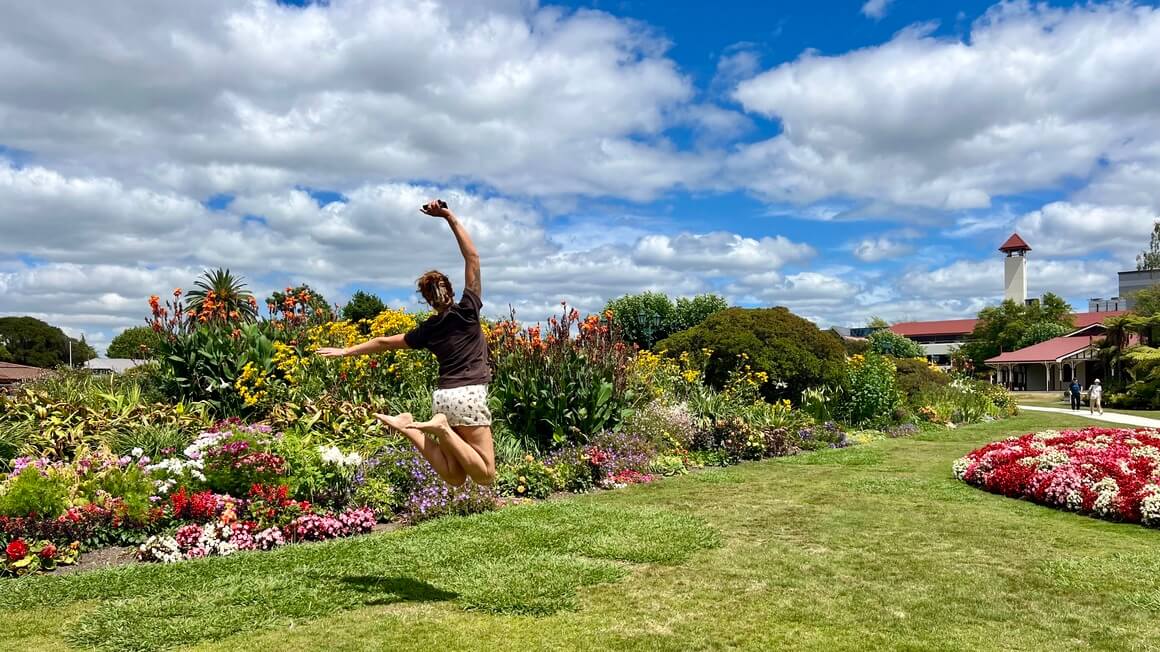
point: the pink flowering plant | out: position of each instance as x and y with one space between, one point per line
1111 473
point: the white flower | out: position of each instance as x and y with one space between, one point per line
354 459
137 452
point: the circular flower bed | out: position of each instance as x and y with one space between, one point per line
1111 473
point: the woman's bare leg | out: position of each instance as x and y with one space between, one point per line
471 446
441 460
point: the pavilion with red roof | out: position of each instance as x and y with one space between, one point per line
1042 367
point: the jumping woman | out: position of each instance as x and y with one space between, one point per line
457 440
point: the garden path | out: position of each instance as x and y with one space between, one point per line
1112 417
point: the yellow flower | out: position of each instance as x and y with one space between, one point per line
528 458
521 489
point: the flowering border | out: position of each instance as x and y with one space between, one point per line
1110 473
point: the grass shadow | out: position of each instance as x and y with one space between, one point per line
397 589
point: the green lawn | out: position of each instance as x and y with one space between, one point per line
867 548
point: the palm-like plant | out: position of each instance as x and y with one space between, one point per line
1116 339
218 294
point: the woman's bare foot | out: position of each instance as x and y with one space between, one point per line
436 426
400 422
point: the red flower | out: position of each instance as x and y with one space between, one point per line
48 552
16 550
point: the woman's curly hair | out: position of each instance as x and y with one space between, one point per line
437 291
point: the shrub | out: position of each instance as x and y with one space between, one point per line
530 478
871 391
137 343
887 342
916 377
792 352
34 492
827 435
668 427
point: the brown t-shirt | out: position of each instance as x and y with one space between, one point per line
456 338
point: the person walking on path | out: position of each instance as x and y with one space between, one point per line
1076 391
1095 397
457 441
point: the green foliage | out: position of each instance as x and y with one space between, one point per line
156 440
362 305
1003 327
790 350
69 413
5 356
229 297
821 403
562 389
916 377
34 492
872 394
1042 331
646 318
129 483
137 343
886 342
692 312
204 363
32 342
1150 257
877 322
528 478
1146 302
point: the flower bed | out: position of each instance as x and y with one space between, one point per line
1104 472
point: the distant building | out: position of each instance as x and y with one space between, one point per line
11 373
112 365
941 338
1134 281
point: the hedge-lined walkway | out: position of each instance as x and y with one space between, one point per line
872 547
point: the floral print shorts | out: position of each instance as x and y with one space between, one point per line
463 406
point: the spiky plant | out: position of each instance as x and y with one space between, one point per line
222 295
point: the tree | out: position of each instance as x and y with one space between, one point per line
223 296
1003 327
645 318
886 342
877 323
363 305
5 356
691 312
1041 331
1150 257
1146 302
792 351
136 343
32 342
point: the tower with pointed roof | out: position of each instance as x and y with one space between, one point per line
1015 269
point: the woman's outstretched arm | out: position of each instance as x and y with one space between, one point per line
471 276
375 345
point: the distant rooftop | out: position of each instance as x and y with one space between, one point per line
1014 243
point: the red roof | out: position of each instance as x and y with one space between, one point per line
965 326
1014 243
944 327
1048 351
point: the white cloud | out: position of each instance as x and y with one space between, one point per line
719 252
1033 96
1069 229
254 96
876 9
872 250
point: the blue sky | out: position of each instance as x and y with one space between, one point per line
846 159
